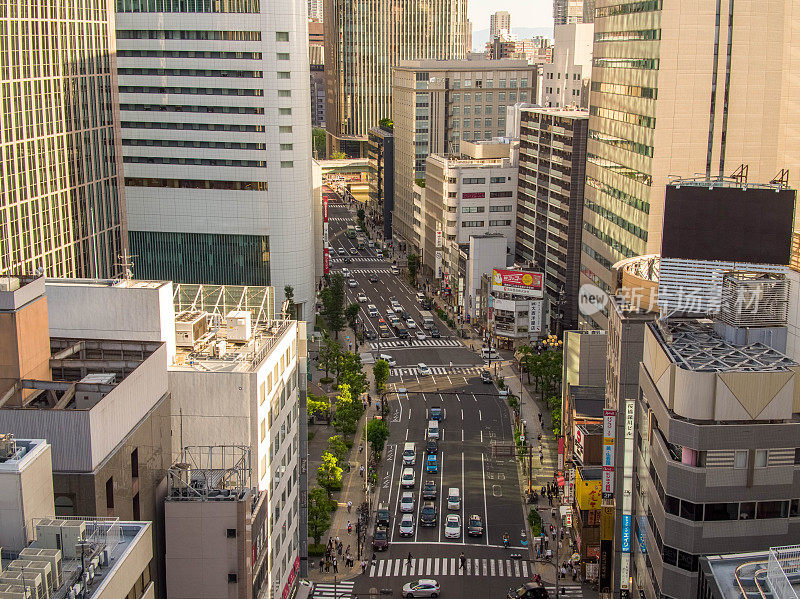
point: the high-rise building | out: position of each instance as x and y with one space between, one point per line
316 60
469 36
572 11
315 10
499 22
552 177
660 108
565 80
62 205
217 142
363 43
381 177
439 103
536 50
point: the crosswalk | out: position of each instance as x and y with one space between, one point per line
329 590
437 370
358 257
370 271
409 343
340 219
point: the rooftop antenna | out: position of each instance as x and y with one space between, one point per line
125 264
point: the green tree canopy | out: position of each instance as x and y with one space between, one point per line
348 412
338 155
333 303
338 447
318 139
329 353
351 373
329 474
319 513
351 313
319 406
413 266
377 434
381 373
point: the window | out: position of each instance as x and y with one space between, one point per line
135 463
502 83
691 511
747 510
230 533
281 36
137 510
472 209
797 456
287 164
497 180
499 223
263 428
501 96
467 97
773 509
505 208
284 93
285 129
110 493
670 555
740 459
478 109
232 577
794 509
721 511
488 83
488 110
478 97
284 111
286 146
473 181
284 75
761 458
672 505
283 56
487 122
472 223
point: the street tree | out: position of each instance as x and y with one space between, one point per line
318 406
333 303
413 266
329 474
319 513
377 434
381 373
351 373
329 353
360 214
351 313
348 412
338 447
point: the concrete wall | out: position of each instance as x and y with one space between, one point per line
133 562
24 343
26 492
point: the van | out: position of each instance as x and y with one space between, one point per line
409 454
489 354
453 498
433 429
420 296
388 358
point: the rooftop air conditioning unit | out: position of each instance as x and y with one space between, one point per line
48 534
51 555
239 325
189 327
31 580
40 567
72 533
15 591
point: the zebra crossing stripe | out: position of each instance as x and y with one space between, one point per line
329 590
495 567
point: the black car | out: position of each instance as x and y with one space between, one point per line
380 540
370 334
475 526
373 278
402 333
382 515
435 333
427 515
530 590
432 446
486 377
405 315
429 490
348 260
426 304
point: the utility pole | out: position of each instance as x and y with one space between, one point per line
530 469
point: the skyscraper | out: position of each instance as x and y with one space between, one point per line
62 206
660 106
315 10
363 43
217 142
499 22
572 11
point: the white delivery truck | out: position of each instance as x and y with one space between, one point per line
427 320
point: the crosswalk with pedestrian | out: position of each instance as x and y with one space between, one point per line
331 590
438 370
409 343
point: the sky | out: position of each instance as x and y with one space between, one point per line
524 13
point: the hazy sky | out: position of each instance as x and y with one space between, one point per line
524 13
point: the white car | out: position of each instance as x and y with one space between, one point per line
352 283
388 358
395 270
421 336
410 323
379 254
425 587
407 480
346 272
362 298
407 525
341 251
373 311
422 369
396 307
407 503
389 312
452 527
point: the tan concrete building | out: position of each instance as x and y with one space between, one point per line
362 45
439 103
499 22
653 113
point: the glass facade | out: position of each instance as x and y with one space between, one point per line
201 258
211 6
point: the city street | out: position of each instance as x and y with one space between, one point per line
474 419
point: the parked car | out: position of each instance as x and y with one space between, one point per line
402 333
452 527
475 526
407 525
425 587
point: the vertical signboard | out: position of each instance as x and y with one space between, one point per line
326 257
439 236
535 311
627 499
609 424
438 265
560 454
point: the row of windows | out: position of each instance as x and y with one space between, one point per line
615 193
192 126
499 179
610 241
488 109
617 89
632 35
620 169
671 555
192 73
623 116
627 63
205 91
499 223
188 34
193 108
473 223
617 220
489 83
505 208
473 181
501 194
179 143
472 209
211 6
189 54
605 262
625 144
193 161
627 8
196 184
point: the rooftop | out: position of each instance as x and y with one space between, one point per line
16 454
768 574
211 473
464 65
692 344
566 111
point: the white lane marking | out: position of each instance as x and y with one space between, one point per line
406 434
484 568
449 381
525 569
462 414
480 416
462 435
481 436
427 565
409 415
441 488
516 569
433 379
491 568
475 398
436 567
485 510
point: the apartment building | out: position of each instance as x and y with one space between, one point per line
660 108
363 44
573 11
468 196
63 206
214 99
499 22
550 205
437 104
535 50
565 80
381 177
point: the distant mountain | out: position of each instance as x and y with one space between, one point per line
481 36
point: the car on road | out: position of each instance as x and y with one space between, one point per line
373 311
362 298
395 305
371 244
452 527
382 515
429 489
420 296
395 270
407 502
424 587
373 278
432 446
380 538
475 526
503 393
347 260
435 334
529 590
435 413
402 333
346 273
407 480
370 334
341 251
420 335
379 254
384 331
407 525
486 377
489 354
352 283
410 323
422 369
427 515
453 498
431 463
388 358
353 252
426 304
389 313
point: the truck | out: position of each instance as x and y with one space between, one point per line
351 232
427 320
362 242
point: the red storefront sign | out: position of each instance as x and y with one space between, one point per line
292 575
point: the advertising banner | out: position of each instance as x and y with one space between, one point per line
609 433
518 282
536 311
577 443
326 258
560 454
439 238
504 304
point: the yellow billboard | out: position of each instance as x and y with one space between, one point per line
587 493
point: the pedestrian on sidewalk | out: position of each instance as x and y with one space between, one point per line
553 513
321 565
363 566
335 566
349 531
361 471
327 566
349 506
360 448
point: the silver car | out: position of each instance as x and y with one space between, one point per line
424 587
407 525
407 502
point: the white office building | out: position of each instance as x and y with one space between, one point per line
214 104
565 81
